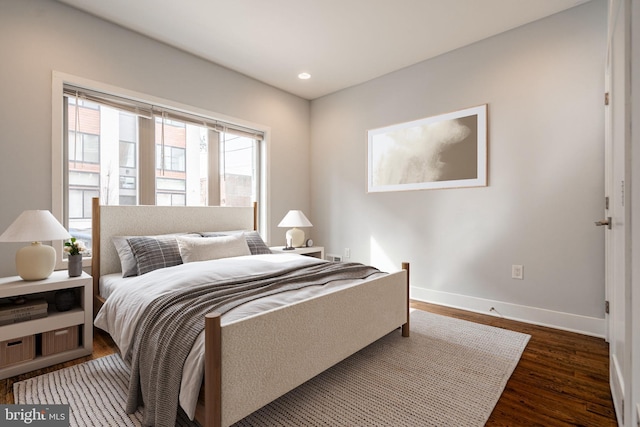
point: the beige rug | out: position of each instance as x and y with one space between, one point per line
448 373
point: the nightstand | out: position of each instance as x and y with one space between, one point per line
312 251
68 334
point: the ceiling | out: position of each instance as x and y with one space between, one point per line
341 43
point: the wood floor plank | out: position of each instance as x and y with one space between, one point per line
561 380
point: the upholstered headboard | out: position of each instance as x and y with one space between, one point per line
110 221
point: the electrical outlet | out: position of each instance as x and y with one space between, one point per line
517 272
347 253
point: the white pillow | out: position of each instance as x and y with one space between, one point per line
128 263
200 249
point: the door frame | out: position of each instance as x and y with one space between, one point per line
635 210
618 261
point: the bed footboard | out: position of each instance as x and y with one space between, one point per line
252 362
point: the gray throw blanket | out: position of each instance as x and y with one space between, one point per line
170 325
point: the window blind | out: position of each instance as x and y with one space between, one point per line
150 111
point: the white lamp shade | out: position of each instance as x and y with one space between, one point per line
37 261
35 226
295 236
295 219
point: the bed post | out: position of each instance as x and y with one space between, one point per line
213 371
405 327
255 216
95 252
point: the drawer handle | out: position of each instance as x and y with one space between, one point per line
14 343
62 332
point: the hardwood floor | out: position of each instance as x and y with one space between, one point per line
561 380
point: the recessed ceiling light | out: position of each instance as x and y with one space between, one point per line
304 76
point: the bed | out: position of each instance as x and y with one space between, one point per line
285 345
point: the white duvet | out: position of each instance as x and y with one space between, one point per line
127 298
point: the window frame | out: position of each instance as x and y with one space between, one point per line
82 140
58 127
171 158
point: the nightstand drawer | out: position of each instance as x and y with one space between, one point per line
60 340
17 350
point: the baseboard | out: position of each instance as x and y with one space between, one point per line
538 316
616 381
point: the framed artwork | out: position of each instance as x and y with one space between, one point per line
444 151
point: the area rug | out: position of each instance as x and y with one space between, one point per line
450 372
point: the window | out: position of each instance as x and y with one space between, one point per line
80 205
127 152
174 158
238 173
127 183
84 147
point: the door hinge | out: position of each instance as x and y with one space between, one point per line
606 307
606 98
606 202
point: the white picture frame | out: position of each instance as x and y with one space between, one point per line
444 151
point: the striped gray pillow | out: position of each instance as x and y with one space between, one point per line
153 253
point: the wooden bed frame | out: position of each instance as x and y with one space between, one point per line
253 361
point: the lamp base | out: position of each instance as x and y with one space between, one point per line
296 237
35 262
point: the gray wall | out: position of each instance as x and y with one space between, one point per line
39 36
543 84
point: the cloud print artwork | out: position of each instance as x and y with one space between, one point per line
444 151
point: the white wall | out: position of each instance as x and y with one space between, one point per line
543 84
39 36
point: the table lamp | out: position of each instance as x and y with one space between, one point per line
295 236
36 261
